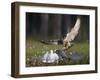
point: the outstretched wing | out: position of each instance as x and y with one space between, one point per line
74 31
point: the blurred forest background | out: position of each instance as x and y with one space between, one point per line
55 26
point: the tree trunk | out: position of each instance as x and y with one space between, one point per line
44 26
66 25
55 24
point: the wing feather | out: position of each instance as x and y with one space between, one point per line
74 31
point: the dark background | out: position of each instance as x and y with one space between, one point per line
55 26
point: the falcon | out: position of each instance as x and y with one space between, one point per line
72 34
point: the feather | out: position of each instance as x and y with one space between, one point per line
73 33
50 57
